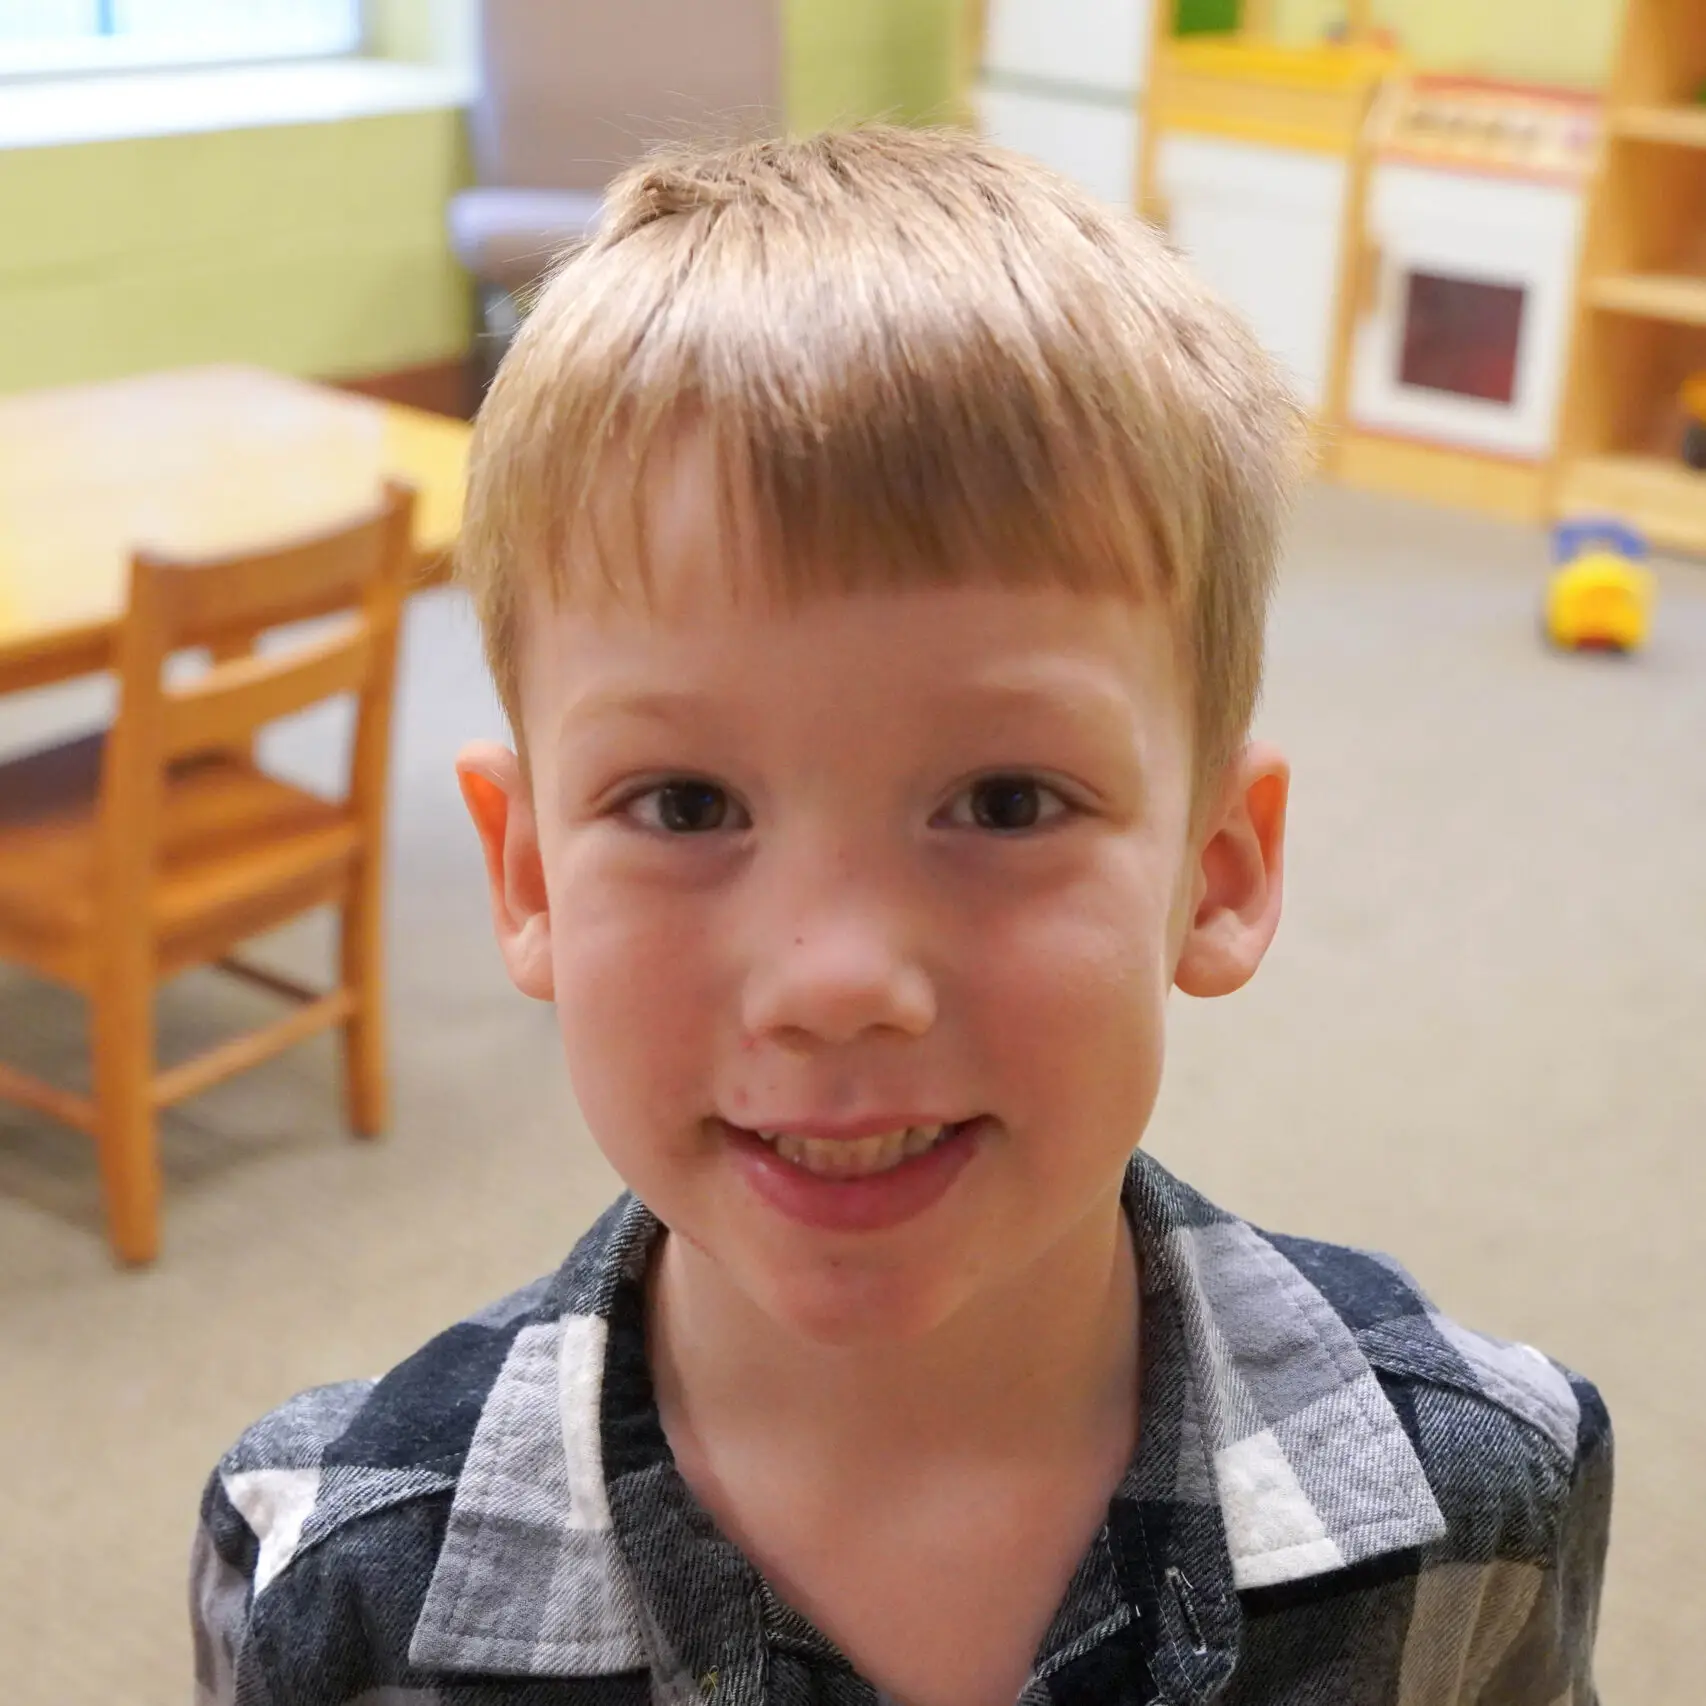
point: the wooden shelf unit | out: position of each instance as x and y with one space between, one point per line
1641 298
1667 498
1675 297
1683 126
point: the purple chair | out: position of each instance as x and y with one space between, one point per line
574 90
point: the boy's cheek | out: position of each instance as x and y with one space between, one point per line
637 999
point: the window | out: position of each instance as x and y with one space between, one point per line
67 36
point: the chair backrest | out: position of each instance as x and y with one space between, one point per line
573 90
357 573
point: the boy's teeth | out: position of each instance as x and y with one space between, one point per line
853 1158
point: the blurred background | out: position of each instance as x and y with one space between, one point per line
259 256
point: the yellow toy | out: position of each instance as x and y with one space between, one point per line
1601 594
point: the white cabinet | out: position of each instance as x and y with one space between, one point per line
1262 226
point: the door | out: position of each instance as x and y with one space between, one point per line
1464 341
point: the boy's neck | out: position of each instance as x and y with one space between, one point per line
1047 1368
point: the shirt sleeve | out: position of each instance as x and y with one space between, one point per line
1550 1662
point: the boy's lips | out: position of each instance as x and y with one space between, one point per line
859 1176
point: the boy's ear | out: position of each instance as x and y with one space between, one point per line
501 804
1235 902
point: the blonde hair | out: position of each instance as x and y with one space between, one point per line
916 358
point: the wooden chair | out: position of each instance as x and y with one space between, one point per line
130 856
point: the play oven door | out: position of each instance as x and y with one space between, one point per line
1462 339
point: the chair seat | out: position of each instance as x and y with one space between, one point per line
510 237
231 836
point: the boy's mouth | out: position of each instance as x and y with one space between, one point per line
863 1177
857 1157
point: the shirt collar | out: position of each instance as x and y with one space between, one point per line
1266 1436
1304 1455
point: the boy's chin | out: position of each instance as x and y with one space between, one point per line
844 1307
824 1300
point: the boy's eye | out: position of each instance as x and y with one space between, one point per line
1007 804
687 807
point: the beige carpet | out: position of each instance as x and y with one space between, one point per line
1480 1042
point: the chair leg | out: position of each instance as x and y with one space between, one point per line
125 1130
361 964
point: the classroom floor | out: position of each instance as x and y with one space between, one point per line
1480 1042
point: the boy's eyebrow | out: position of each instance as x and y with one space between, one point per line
1059 685
650 704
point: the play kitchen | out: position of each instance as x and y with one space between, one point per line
1489 289
1461 315
1407 244
1252 166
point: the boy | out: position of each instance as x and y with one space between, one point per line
872 538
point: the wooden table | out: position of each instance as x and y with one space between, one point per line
194 461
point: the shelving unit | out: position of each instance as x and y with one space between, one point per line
1641 297
1658 296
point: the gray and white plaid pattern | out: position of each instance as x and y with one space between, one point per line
1341 1499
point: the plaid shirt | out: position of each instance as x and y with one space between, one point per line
1341 1499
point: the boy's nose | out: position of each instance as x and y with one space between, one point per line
833 983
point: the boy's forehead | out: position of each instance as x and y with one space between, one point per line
1004 652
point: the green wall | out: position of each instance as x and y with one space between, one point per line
1545 41
320 249
854 59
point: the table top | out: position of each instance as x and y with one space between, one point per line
191 462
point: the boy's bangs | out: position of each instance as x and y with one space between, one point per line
888 504
867 428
